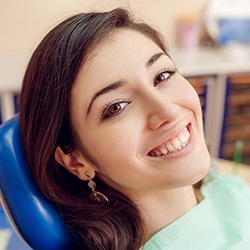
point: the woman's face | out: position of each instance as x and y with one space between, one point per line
138 117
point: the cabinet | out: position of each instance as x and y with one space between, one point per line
236 120
237 117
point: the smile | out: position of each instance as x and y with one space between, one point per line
173 145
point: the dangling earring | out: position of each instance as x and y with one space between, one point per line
96 197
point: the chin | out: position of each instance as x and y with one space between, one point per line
197 165
203 166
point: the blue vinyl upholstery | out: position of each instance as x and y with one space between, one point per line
34 218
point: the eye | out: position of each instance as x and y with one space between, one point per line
114 109
163 76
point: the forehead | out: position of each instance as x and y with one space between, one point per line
125 39
121 49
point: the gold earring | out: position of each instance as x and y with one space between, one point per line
96 197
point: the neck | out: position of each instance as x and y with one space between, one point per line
164 207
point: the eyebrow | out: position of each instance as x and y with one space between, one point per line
154 58
105 90
119 84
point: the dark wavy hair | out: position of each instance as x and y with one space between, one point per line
45 124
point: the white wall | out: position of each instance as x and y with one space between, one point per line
23 23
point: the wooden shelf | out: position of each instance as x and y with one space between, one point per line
237 120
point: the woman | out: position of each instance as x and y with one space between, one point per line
113 133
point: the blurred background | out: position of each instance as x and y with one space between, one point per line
209 41
24 23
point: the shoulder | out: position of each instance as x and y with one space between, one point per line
226 187
226 184
230 197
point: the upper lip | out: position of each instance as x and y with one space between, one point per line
168 135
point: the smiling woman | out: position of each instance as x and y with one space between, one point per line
115 136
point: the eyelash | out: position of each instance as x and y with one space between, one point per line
169 73
107 110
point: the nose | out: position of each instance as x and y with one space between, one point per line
161 111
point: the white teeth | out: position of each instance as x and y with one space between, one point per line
177 144
183 139
186 133
171 146
164 151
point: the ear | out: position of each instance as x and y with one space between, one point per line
77 165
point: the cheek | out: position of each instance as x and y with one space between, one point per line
113 146
182 93
191 99
182 90
116 155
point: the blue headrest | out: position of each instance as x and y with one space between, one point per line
38 222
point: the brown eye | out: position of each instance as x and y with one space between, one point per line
162 77
114 109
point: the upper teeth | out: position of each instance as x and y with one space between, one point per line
173 145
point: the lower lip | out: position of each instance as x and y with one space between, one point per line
184 151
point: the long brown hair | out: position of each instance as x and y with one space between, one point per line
45 124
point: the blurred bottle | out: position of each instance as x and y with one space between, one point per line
188 32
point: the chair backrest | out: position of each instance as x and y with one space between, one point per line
33 217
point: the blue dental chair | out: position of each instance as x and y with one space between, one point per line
33 217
